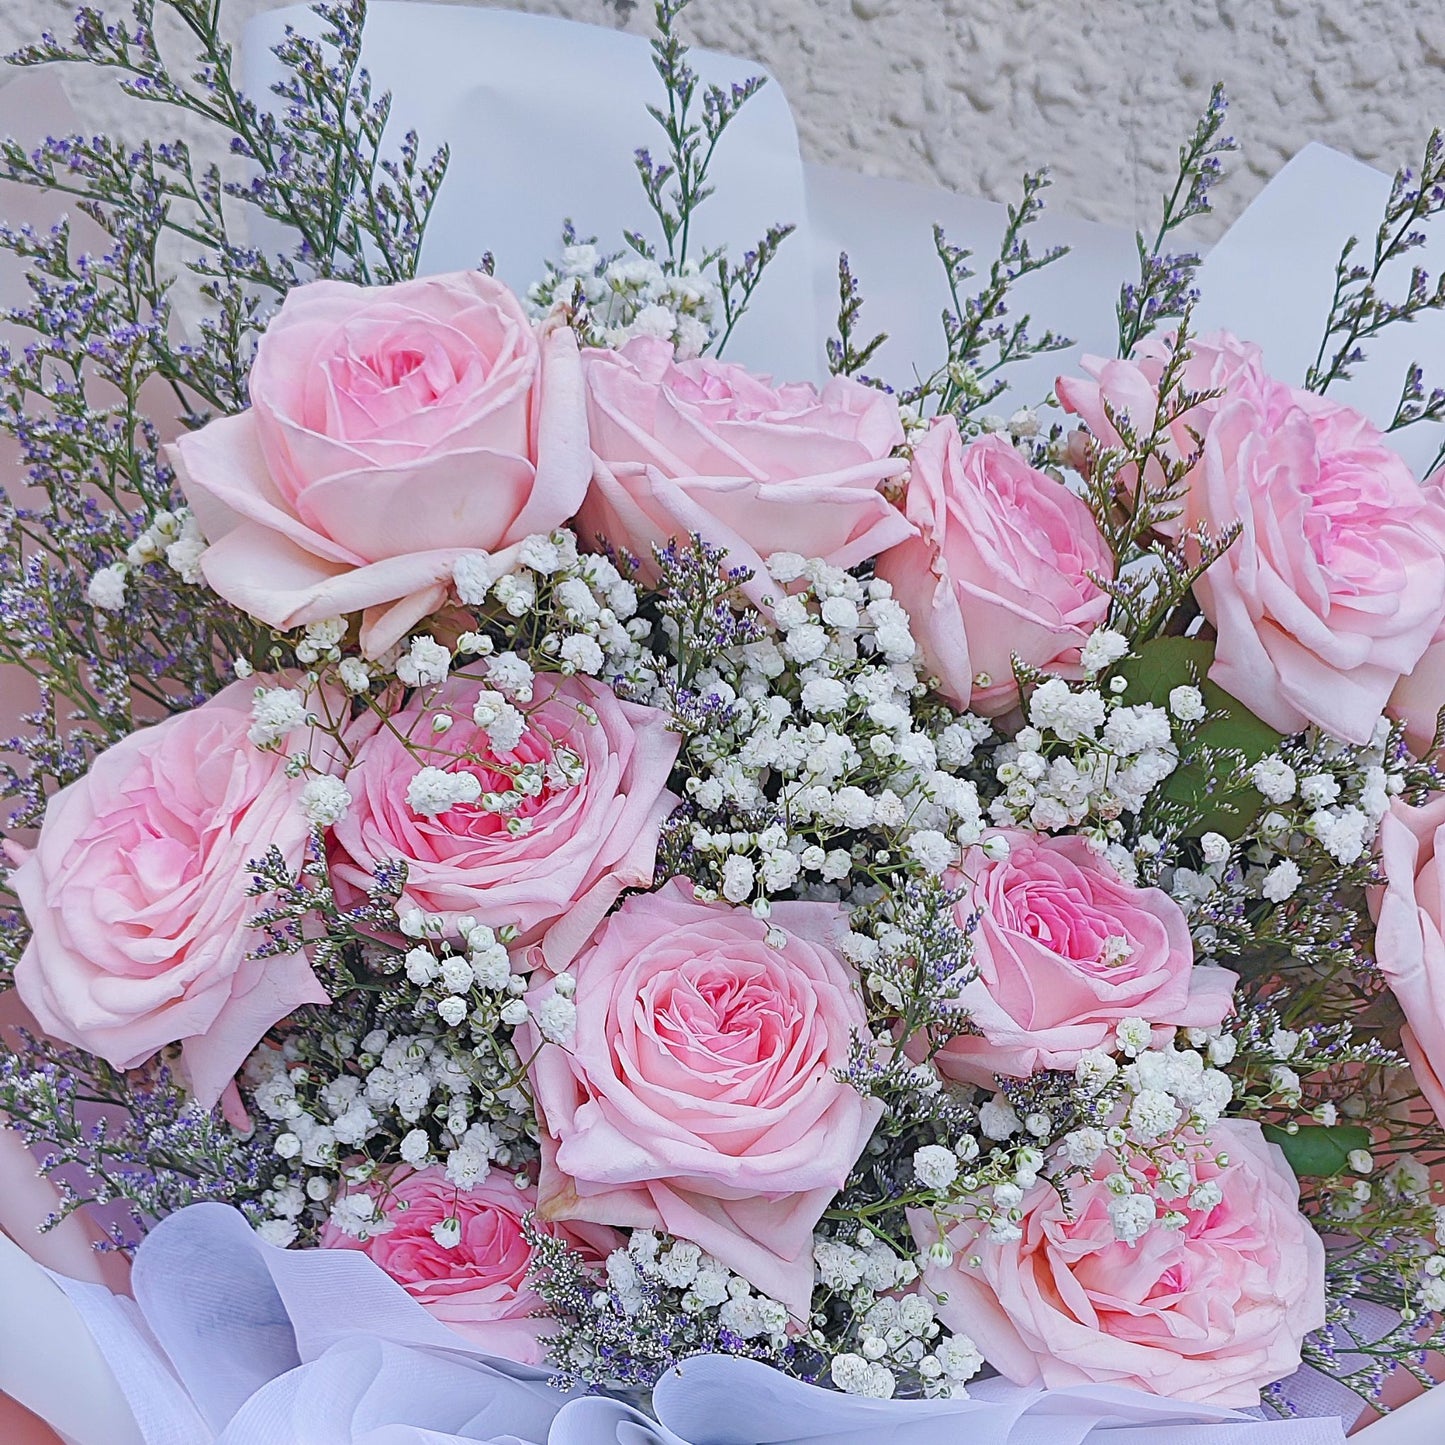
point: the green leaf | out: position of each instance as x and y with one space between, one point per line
1319 1149
1169 662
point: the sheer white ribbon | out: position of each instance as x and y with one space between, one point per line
230 1341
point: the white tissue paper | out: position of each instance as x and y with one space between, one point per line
231 1342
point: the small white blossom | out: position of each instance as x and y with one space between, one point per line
1131 1215
959 1357
1274 778
452 1010
557 1018
786 566
824 696
998 1119
582 653
855 1375
415 1147
739 878
355 675
935 1166
1103 649
1318 790
325 800
933 852
1095 1071
473 574
106 588
1187 703
275 712
541 553
511 675
1281 881
1070 716
434 790
1153 1114
1083 1147
1133 1035
425 663
806 643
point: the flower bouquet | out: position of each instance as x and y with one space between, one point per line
565 890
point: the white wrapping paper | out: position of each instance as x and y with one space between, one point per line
236 1343
542 117
233 1342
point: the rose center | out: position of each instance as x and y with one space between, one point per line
1068 924
722 1017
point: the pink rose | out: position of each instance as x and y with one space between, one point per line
479 1285
998 566
698 1094
1420 693
1336 585
1217 363
136 897
1409 914
706 447
391 430
1065 949
1211 1312
582 843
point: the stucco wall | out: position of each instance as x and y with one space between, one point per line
968 93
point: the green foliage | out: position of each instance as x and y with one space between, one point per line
1229 739
1165 290
693 122
1319 1150
979 340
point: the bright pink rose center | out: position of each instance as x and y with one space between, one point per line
1066 920
383 372
728 1024
491 1251
471 820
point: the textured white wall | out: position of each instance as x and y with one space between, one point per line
969 93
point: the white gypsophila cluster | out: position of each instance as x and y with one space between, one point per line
826 730
694 1284
475 984
395 1095
275 713
325 801
173 538
1324 803
321 642
1326 796
1147 1105
582 607
629 295
1086 757
897 1330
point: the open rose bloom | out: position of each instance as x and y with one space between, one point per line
1066 950
570 890
696 1095
137 896
1213 1310
479 1284
389 432
699 447
582 844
